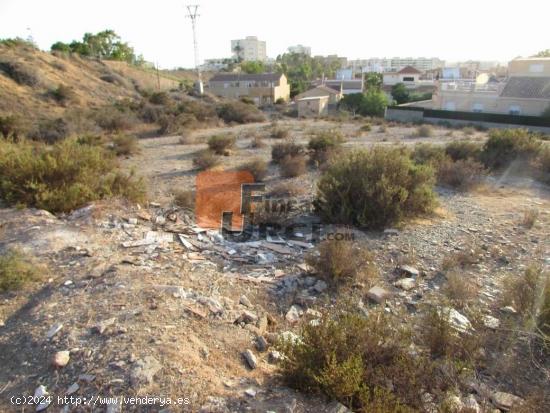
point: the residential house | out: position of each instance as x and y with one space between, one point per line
408 75
347 87
317 101
263 89
526 91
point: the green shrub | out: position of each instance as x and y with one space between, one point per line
292 166
62 177
429 154
323 145
522 292
284 149
221 144
240 112
463 174
375 188
424 131
505 146
352 359
151 113
12 127
257 167
160 98
176 123
184 199
461 150
340 262
205 159
122 144
63 94
16 270
19 72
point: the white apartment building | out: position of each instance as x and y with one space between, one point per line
299 48
395 64
249 49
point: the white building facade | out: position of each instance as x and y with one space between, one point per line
249 49
394 64
300 49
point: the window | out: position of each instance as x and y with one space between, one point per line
478 107
536 68
408 79
514 110
450 106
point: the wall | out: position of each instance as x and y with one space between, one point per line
522 67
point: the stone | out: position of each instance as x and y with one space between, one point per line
453 404
54 330
144 216
409 270
247 317
250 359
261 343
508 309
73 388
250 392
132 221
245 301
213 305
391 231
319 286
491 322
40 395
294 313
378 294
505 401
88 378
405 283
458 321
337 407
144 371
274 356
100 327
470 404
61 358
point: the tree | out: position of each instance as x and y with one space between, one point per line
253 67
400 93
60 47
373 81
353 102
543 53
374 103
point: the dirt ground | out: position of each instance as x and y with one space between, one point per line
184 308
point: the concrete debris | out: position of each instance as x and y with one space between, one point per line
458 321
144 371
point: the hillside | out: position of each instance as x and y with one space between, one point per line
94 83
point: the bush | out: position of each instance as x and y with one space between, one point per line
428 154
286 189
281 150
20 73
459 289
461 150
530 218
257 167
160 98
16 270
51 130
375 188
221 144
12 127
424 131
542 165
62 177
240 112
152 113
323 145
352 359
184 199
462 175
205 160
366 127
114 79
257 142
292 166
63 94
505 146
341 262
112 119
171 124
522 292
122 144
279 133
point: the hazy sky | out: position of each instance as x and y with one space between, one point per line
451 30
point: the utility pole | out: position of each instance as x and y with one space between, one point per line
192 14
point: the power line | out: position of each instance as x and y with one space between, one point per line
192 10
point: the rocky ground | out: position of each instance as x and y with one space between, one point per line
138 300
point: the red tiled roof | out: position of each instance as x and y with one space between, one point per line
409 70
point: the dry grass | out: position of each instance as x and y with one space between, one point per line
340 263
205 159
460 260
184 198
257 167
221 144
460 289
17 270
530 217
286 189
424 131
293 166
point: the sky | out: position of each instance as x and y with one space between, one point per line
453 31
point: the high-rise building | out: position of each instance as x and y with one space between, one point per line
299 48
249 49
395 64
